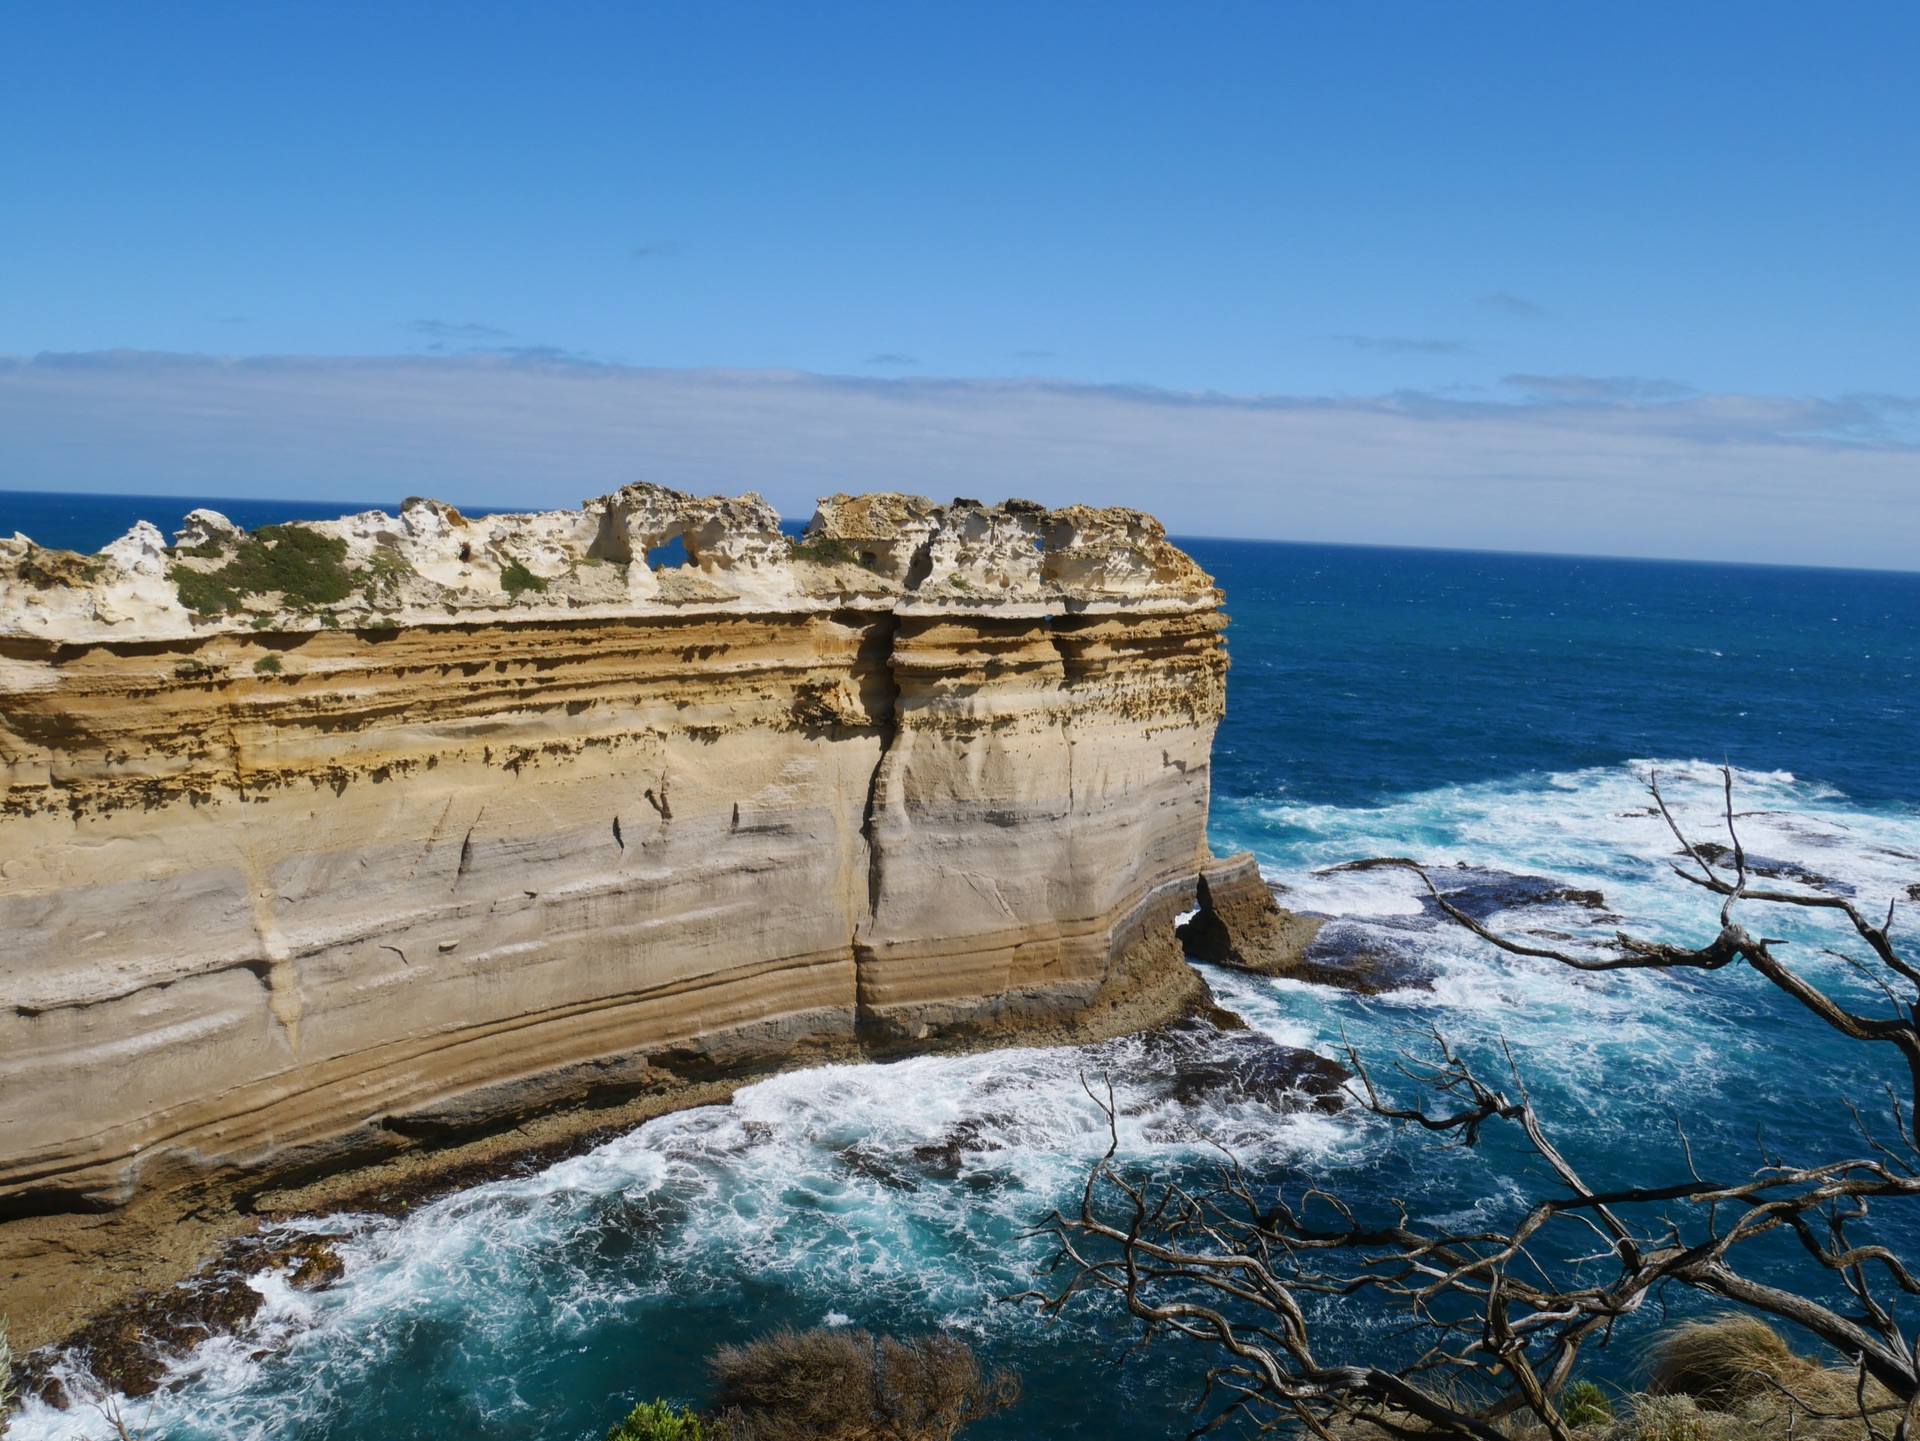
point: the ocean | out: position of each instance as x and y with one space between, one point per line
1496 711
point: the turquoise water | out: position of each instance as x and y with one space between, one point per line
1498 711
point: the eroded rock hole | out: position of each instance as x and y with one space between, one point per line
670 554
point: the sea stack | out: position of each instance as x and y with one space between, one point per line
337 840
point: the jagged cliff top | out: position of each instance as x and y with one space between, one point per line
431 563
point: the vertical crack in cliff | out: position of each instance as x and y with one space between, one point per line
889 729
466 855
432 841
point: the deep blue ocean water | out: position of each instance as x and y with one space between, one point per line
1495 710
87 522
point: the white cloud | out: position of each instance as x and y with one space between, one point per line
1726 477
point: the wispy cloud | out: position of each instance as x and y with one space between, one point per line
466 330
656 249
1727 477
1600 387
1399 345
1513 305
892 357
546 355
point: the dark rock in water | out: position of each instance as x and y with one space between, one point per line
876 1165
1367 958
1241 925
1239 922
622 1225
1199 1063
945 1157
313 1263
1377 954
1721 858
1481 893
129 1347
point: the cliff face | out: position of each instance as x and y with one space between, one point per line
335 840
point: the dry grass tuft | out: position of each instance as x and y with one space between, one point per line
1725 1360
1734 1378
1731 1378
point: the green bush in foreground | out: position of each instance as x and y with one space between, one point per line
1585 1404
657 1421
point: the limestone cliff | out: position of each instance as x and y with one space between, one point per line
331 840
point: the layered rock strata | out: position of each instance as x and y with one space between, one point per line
334 840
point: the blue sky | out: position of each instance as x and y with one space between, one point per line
1506 205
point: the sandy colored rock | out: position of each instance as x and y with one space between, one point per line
520 835
1239 923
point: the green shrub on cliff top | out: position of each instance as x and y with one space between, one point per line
515 577
657 1421
306 567
383 575
823 550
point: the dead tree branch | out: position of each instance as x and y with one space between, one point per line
1242 1267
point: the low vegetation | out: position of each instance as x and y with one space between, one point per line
380 581
657 1421
46 569
1585 1404
305 567
515 578
1731 1378
823 550
833 1385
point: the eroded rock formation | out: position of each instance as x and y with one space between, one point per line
1237 922
333 840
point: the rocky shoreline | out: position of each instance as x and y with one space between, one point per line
124 1294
